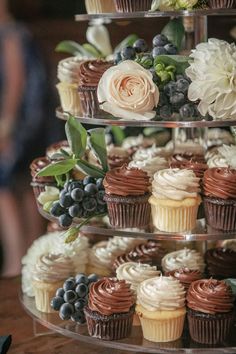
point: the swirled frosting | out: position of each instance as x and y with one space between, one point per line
175 184
143 154
126 181
186 276
117 156
68 70
110 295
151 165
210 296
221 262
220 183
183 258
161 293
134 273
196 163
184 157
52 268
230 244
91 71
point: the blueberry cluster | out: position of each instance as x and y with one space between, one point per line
174 99
72 297
130 52
162 46
79 199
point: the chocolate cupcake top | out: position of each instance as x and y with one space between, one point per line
91 71
179 158
196 163
37 165
125 181
220 183
117 157
110 295
221 262
185 275
210 296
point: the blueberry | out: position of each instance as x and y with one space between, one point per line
87 214
75 184
140 46
171 49
128 53
79 304
170 88
77 194
66 200
100 198
158 51
65 220
163 100
182 85
78 317
56 303
66 311
178 99
101 209
69 285
160 40
91 189
87 180
81 278
179 77
186 111
57 209
60 292
70 296
76 211
92 278
99 183
89 204
165 112
81 290
117 58
63 192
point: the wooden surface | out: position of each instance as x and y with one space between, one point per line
15 321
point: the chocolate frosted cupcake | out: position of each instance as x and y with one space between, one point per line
38 183
117 157
221 263
219 188
221 4
127 194
196 163
210 311
110 309
132 5
89 75
186 276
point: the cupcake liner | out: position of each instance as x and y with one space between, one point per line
162 330
220 213
221 4
99 6
128 212
209 329
113 327
174 219
69 97
44 292
132 5
89 101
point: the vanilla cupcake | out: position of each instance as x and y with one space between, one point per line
49 273
185 258
99 6
151 165
175 200
161 308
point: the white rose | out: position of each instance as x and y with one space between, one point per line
128 91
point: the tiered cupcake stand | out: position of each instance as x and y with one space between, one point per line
136 342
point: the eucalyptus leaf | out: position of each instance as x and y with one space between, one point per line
89 169
98 144
128 41
180 62
77 136
174 31
72 47
118 134
57 168
65 153
92 50
71 234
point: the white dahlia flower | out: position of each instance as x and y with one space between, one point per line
213 75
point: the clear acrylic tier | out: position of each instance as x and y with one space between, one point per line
175 122
149 14
134 343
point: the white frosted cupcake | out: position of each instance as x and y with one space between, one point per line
49 273
224 156
143 154
151 165
175 200
99 6
185 258
161 308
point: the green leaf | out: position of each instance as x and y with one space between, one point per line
89 169
57 168
128 41
98 144
71 234
73 48
152 130
174 31
92 50
77 136
180 62
118 134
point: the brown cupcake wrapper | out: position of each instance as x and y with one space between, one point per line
128 212
132 5
113 327
220 214
221 4
89 101
209 329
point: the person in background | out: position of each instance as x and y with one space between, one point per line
22 129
